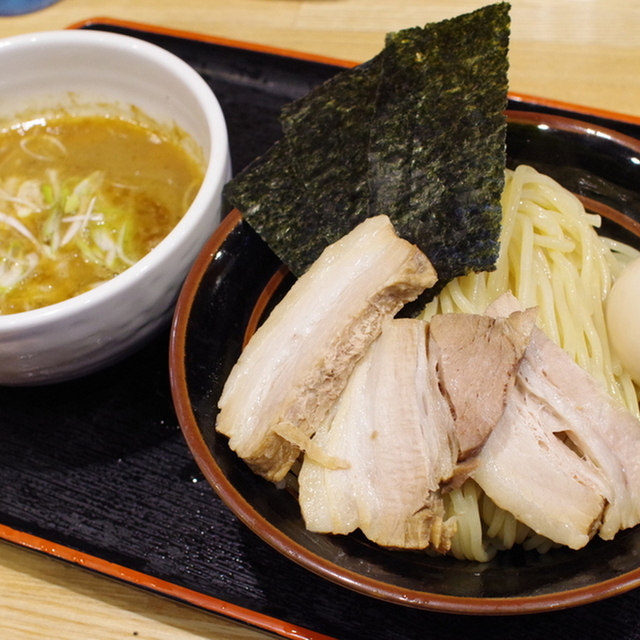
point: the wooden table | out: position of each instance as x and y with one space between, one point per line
586 53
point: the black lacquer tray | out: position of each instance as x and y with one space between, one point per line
97 472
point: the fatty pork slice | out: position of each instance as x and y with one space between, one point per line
298 362
569 466
395 430
601 431
528 471
478 357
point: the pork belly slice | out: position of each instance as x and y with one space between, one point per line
527 470
394 428
298 362
597 426
478 357
565 456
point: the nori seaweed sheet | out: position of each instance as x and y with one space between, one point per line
417 133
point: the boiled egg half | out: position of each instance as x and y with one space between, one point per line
623 318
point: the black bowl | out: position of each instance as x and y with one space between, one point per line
236 281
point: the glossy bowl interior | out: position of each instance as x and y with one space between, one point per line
93 72
235 282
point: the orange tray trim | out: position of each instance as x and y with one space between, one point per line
162 587
289 53
226 42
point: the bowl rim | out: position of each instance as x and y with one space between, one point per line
472 605
214 177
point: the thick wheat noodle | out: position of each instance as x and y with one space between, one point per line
551 257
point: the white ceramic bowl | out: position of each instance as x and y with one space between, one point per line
93 70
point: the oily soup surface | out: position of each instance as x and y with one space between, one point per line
81 200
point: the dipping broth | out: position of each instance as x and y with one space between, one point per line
82 199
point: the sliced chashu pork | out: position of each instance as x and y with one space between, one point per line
565 456
478 357
394 428
298 362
